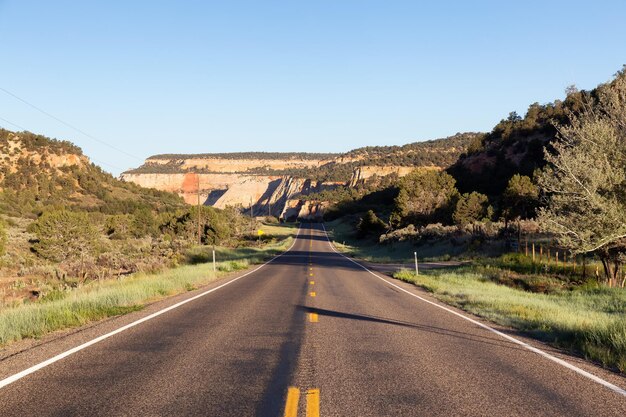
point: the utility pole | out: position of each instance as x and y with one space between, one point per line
198 195
251 215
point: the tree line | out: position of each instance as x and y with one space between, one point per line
573 182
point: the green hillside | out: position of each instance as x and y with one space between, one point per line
37 173
515 145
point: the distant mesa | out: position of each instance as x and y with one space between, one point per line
271 182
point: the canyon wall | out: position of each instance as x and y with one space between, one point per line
226 182
273 183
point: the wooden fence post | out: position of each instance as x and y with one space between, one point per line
556 259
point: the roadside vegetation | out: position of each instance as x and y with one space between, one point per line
537 208
589 320
568 198
62 308
77 244
65 223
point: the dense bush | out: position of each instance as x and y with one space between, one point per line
370 225
64 235
426 197
472 208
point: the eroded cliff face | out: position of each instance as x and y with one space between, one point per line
253 184
214 189
229 164
257 194
222 182
273 183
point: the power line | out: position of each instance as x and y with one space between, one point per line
69 125
92 159
13 124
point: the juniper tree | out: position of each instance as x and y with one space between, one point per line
585 180
520 198
426 197
471 209
520 201
63 235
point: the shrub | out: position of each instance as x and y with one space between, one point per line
370 224
64 235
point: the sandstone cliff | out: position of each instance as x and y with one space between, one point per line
257 194
16 150
274 183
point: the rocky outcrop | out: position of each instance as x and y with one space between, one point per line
362 174
279 196
13 152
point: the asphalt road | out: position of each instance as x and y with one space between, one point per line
311 333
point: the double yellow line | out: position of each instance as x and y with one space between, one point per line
312 402
313 394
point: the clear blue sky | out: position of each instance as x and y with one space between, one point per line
154 77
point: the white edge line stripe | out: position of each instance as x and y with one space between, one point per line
546 355
11 379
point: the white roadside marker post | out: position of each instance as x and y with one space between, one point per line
417 272
214 260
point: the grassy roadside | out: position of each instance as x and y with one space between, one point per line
512 291
587 320
272 242
99 300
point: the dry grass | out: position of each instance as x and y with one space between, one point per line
588 320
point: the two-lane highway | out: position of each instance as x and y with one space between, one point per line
311 333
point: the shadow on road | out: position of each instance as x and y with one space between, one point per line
430 329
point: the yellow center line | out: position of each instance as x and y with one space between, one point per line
313 402
313 317
311 282
291 405
312 294
310 275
